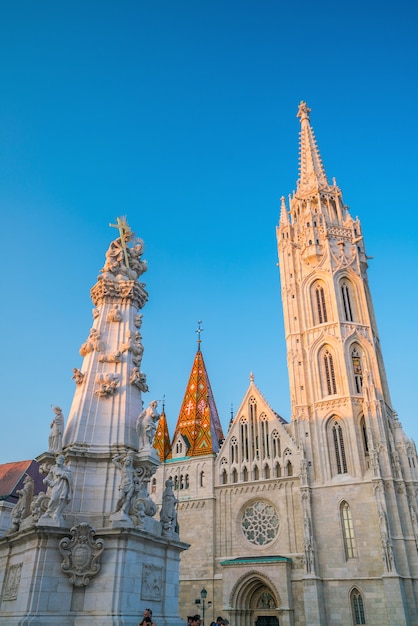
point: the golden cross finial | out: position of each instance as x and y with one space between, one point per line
199 330
124 230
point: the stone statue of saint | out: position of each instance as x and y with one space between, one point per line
146 425
77 376
114 314
168 513
60 488
127 483
57 431
21 509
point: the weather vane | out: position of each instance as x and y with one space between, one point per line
199 330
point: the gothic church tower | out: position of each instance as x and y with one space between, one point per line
361 467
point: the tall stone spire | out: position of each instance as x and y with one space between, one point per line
311 170
198 420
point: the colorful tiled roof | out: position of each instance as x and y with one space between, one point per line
162 438
198 420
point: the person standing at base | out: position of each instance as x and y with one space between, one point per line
147 619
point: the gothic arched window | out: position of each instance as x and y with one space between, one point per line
357 370
234 475
350 548
224 478
339 448
357 607
320 305
275 440
364 436
347 301
234 450
328 373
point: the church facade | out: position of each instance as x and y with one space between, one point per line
311 522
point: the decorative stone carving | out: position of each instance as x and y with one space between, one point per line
138 320
77 376
123 258
95 312
81 554
94 342
60 487
113 357
127 291
168 513
134 346
107 385
387 550
39 506
308 556
22 508
57 431
139 379
11 586
114 314
152 582
146 425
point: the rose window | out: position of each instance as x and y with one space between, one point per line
260 523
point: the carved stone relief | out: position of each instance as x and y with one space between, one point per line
107 385
81 554
151 582
12 582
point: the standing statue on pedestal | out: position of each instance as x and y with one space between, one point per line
168 513
21 509
146 425
57 431
60 490
127 483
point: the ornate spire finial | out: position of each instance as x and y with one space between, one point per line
311 171
199 330
251 378
303 111
124 233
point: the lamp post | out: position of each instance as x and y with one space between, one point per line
203 596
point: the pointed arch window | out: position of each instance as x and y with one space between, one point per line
339 448
357 607
364 435
350 547
234 450
347 303
277 470
234 475
357 370
275 439
329 373
321 308
244 439
266 471
224 478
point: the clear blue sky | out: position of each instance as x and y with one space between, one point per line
182 116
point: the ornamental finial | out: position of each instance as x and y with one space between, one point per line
303 111
199 330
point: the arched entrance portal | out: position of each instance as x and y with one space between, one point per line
256 602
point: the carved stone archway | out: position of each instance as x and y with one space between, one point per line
255 601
